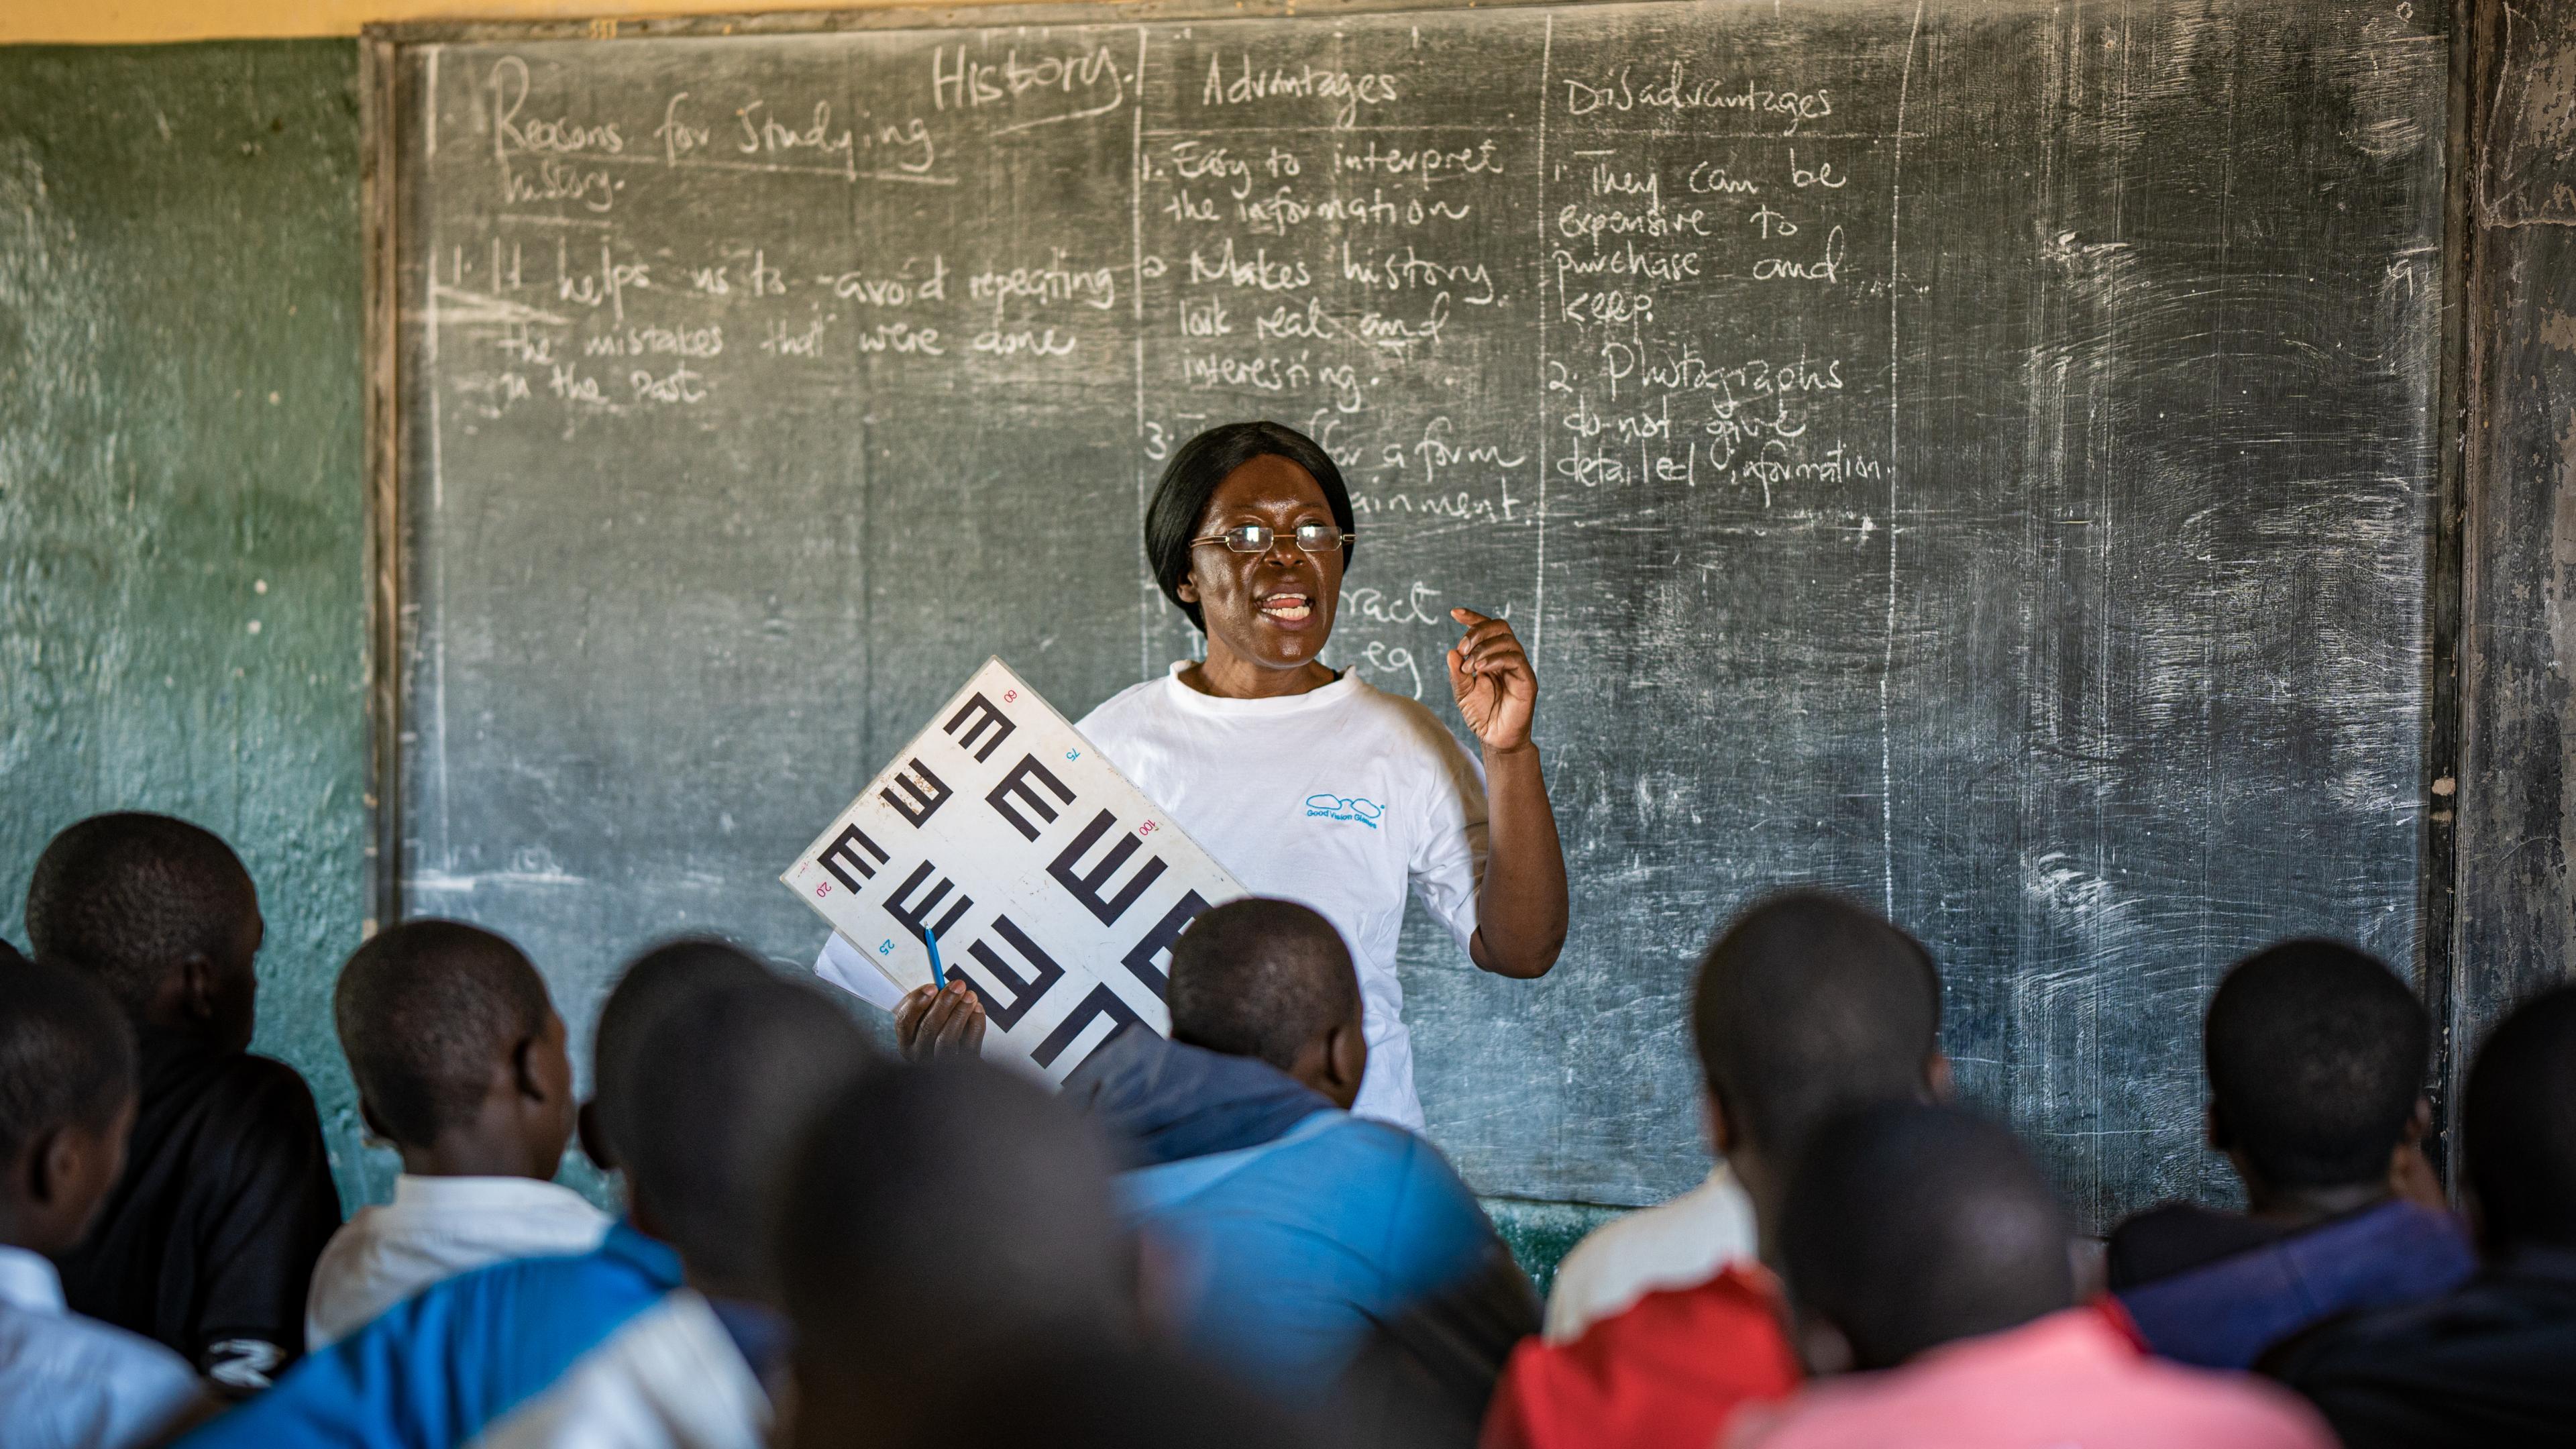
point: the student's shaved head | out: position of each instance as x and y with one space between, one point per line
1810 1005
2518 1126
2316 1056
1260 978
660 980
128 897
424 1012
719 1093
1910 1226
66 1054
942 1210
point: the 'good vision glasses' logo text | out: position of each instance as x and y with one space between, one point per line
1339 807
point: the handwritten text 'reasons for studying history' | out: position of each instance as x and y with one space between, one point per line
1054 886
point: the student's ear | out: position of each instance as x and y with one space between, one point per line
525 1075
52 1161
594 1143
2419 1123
1724 1135
200 987
1346 1058
1938 1083
2410 1173
1824 1347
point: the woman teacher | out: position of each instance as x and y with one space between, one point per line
1308 784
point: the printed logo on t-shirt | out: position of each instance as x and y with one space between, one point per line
1329 806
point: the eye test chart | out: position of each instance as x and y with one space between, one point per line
1053 886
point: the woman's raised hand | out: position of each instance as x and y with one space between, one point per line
1490 674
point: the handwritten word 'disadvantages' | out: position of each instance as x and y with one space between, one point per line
1055 887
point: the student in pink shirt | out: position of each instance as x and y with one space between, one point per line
1928 1264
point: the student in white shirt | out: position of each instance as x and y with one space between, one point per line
1677 1243
460 1063
1309 785
720 1095
67 1094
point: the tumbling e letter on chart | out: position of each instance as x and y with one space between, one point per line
1054 885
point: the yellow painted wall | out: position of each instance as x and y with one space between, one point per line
102 22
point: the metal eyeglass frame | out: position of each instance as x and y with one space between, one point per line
1270 538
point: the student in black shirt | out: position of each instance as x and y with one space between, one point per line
2488 1364
208 1241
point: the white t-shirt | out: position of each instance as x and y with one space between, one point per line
671 1378
1674 1244
1341 799
436 1228
68 1382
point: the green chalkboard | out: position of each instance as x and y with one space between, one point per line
181 513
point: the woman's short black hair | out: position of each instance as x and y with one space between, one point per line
1191 479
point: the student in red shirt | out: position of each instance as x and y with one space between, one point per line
1927 1255
1806 1007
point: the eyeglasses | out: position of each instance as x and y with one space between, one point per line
1258 537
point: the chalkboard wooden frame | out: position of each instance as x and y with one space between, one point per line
2448 562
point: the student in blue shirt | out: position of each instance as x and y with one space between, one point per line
67 1088
438 1369
1304 1235
2316 1056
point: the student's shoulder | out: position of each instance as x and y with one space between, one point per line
1725 1333
2204 1406
127 1364
2173 1237
569 1298
1383 1168
2366 1347
1385 1147
257 1086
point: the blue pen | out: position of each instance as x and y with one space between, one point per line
938 978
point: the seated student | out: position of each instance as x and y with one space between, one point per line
1674 1244
66 1104
1296 1227
208 1241
440 1367
732 1084
2488 1363
459 1059
2316 1057
1923 1245
942 1226
1806 1006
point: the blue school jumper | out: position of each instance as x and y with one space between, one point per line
2225 1314
1296 1230
441 1366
